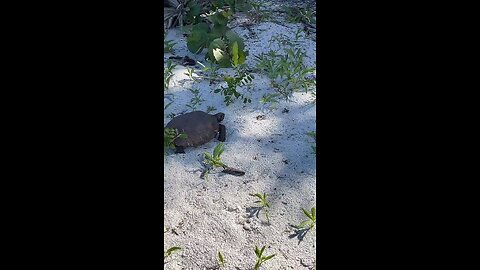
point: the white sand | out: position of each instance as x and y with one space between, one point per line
276 155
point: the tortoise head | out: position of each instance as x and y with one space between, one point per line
220 116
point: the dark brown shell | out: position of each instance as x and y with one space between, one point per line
199 126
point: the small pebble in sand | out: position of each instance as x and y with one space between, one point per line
247 227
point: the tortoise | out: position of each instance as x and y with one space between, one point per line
200 128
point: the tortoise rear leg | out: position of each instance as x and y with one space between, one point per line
179 149
222 133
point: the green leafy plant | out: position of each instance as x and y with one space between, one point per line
258 13
230 92
224 46
168 73
287 71
196 100
260 258
263 203
311 221
305 226
300 15
221 259
190 73
169 136
214 160
170 251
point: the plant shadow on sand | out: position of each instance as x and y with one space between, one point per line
299 233
254 211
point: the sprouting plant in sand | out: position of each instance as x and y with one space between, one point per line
311 221
263 204
189 73
170 251
168 73
169 136
213 160
286 68
221 259
313 134
305 226
260 258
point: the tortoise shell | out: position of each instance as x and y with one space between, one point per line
200 127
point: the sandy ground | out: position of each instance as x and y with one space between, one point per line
206 217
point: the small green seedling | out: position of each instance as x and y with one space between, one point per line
263 203
261 259
310 222
190 73
221 259
168 73
213 160
170 251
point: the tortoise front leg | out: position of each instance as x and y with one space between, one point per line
179 149
222 133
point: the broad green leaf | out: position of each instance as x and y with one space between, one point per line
235 53
233 37
197 41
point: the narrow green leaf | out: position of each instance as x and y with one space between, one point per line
268 257
262 250
220 256
257 252
314 212
303 224
307 214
